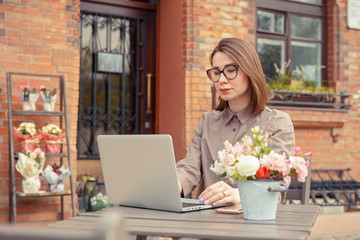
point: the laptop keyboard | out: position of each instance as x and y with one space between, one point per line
186 204
191 202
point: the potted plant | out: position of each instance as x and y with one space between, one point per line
53 136
48 98
297 88
29 97
30 166
26 135
258 172
85 184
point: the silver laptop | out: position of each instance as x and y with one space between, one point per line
140 171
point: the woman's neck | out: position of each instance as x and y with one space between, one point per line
239 103
237 106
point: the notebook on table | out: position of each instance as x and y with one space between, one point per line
140 171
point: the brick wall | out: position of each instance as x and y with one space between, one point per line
38 37
333 136
205 24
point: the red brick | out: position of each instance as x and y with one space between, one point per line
43 68
42 216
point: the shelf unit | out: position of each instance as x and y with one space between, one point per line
63 120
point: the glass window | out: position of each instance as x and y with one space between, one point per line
310 1
108 99
292 38
271 22
306 27
307 60
270 52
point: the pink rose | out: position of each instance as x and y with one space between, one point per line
300 165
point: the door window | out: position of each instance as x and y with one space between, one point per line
112 78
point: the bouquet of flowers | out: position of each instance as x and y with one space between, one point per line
48 98
254 159
53 136
30 166
29 97
98 202
55 176
26 135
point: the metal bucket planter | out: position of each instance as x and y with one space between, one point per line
260 198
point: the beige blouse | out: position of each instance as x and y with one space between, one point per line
217 126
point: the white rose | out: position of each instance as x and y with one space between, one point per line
99 196
248 165
93 201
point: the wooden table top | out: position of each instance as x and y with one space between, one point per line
292 222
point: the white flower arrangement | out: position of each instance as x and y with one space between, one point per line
99 201
254 159
27 128
51 129
30 165
53 137
55 176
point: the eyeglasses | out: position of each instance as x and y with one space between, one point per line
230 72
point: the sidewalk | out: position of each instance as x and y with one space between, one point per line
337 226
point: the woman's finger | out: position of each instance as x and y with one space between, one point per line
214 192
223 201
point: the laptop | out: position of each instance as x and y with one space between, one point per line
140 171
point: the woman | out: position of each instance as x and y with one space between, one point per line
239 81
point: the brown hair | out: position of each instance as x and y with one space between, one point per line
244 54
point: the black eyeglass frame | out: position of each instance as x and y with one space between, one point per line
222 71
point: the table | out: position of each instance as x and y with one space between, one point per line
292 222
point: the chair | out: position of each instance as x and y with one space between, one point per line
300 190
110 226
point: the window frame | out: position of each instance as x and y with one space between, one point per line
301 9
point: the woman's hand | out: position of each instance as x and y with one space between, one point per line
220 193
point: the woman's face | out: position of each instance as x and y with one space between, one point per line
235 91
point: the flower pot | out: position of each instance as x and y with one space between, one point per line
28 101
83 203
31 184
27 145
48 101
259 199
53 146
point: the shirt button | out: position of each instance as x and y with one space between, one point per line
234 129
235 116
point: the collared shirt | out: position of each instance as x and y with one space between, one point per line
214 128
